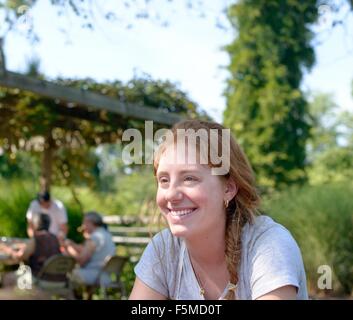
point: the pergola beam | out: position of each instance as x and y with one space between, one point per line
85 98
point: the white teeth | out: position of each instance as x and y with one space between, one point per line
180 213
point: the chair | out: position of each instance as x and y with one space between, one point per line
54 275
112 268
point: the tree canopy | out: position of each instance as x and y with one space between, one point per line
265 107
331 143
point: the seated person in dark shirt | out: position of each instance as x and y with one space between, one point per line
37 250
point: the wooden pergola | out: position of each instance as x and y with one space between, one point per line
90 103
91 100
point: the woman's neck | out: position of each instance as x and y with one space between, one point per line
207 258
207 249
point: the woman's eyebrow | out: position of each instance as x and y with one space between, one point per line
189 171
161 173
181 172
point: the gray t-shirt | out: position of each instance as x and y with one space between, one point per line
270 259
104 248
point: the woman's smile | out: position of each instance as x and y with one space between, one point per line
180 214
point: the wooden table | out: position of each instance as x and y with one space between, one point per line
5 259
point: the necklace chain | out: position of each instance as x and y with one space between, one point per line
230 286
202 289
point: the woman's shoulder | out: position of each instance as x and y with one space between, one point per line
161 252
264 231
271 258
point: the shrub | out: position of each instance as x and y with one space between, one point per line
14 200
321 220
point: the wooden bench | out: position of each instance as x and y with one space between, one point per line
131 232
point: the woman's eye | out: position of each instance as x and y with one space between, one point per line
163 180
189 178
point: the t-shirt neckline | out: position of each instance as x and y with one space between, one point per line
188 261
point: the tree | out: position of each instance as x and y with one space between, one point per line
330 147
265 107
332 165
323 134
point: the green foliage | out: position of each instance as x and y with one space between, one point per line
75 216
321 220
323 134
128 276
19 165
333 165
103 202
14 201
265 107
29 122
136 193
331 143
133 194
345 127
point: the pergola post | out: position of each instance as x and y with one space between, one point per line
2 58
47 163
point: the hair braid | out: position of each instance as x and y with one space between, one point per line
234 224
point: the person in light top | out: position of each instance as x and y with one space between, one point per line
54 208
93 253
218 245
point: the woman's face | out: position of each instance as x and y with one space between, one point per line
87 227
189 196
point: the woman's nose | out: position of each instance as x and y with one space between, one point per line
173 194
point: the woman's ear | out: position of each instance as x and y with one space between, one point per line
230 190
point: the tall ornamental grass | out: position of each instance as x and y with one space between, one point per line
321 220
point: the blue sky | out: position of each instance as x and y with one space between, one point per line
188 51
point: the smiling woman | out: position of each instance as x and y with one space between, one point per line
217 245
